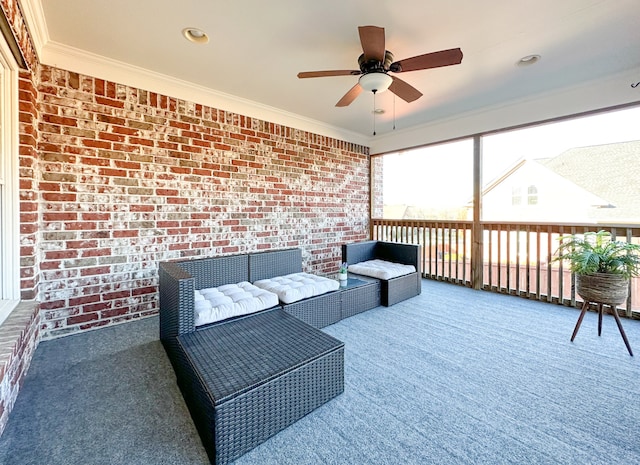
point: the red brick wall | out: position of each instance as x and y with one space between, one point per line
127 178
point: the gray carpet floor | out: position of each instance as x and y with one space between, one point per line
453 376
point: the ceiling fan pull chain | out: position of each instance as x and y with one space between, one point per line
374 112
394 112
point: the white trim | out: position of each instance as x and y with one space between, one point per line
10 207
72 59
80 61
6 307
35 22
591 95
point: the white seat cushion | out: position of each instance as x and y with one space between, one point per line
381 269
297 286
220 303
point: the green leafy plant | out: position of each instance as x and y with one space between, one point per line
596 252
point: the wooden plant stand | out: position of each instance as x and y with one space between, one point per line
585 306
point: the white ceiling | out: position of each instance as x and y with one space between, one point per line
257 47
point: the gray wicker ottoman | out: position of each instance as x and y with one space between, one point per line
247 379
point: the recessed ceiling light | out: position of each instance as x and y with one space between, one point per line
193 34
528 60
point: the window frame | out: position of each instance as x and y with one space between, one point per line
532 195
516 196
9 183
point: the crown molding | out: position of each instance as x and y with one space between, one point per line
80 61
591 96
34 19
72 59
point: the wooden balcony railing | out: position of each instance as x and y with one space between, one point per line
512 258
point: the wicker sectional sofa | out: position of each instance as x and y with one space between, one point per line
246 378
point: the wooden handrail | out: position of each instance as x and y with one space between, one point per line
516 257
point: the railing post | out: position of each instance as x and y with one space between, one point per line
477 246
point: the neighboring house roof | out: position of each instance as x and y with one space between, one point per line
495 182
529 166
605 178
610 171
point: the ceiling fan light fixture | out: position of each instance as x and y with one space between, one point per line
375 82
195 35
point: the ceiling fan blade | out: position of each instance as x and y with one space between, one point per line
372 40
350 96
337 72
429 60
405 91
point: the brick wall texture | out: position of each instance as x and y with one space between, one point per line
125 178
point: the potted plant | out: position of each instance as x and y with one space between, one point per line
602 266
342 273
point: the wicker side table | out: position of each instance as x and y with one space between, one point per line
358 295
318 311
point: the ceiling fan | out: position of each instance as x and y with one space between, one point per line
376 62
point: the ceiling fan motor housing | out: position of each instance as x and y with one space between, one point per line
376 66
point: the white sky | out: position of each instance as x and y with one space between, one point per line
442 176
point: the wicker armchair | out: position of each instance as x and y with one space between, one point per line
393 290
